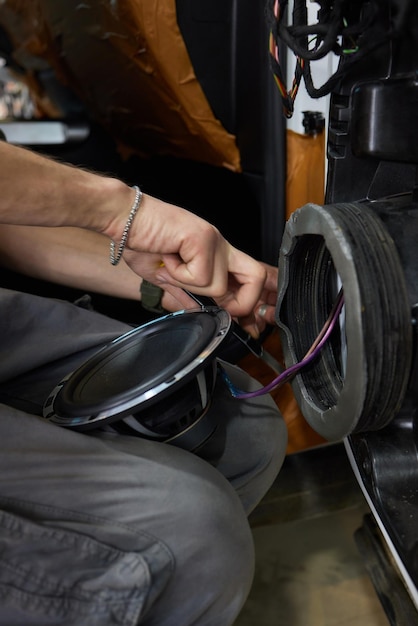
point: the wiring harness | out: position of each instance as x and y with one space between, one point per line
349 29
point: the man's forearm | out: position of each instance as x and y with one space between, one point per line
39 191
163 243
68 256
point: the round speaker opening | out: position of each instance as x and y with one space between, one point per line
359 379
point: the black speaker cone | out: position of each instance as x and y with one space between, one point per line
159 377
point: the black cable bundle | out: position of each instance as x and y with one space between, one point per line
350 29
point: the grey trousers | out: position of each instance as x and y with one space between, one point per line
103 529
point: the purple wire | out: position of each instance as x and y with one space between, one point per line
293 369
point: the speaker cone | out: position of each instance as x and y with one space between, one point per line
157 378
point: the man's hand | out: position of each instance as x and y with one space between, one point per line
176 250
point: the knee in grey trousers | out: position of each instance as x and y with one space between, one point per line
114 530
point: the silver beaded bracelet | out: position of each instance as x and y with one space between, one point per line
116 257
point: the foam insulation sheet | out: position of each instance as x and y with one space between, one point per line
128 64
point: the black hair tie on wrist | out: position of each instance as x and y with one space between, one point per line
151 296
